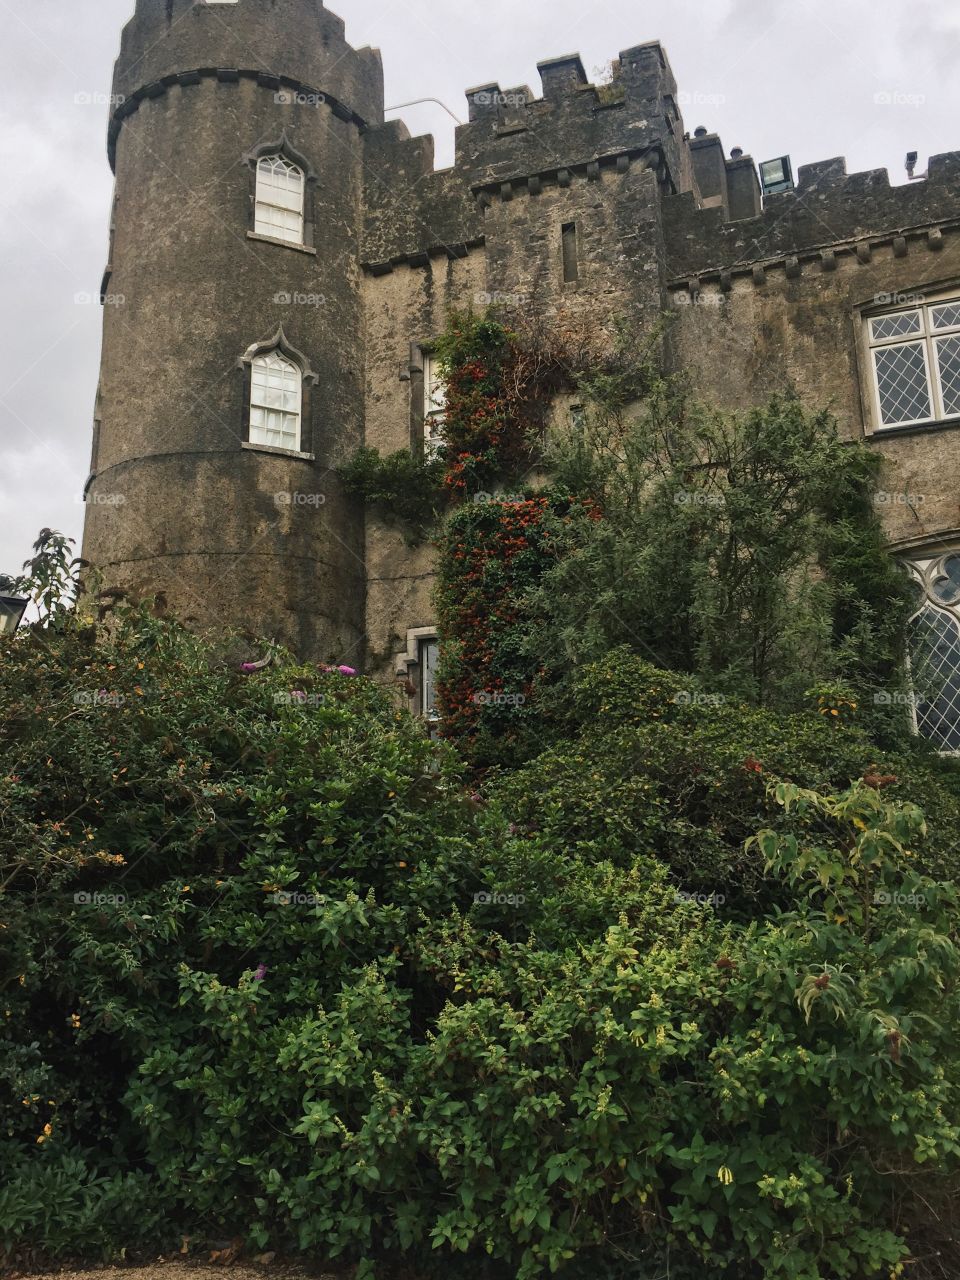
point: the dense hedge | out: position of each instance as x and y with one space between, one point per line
649 761
272 969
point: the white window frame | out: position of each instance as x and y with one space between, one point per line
277 204
927 338
427 679
925 571
274 364
409 666
434 405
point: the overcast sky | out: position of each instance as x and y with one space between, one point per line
868 79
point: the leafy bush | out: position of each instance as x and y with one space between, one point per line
62 1208
317 993
742 1096
403 487
651 764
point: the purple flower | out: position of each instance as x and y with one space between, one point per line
260 973
346 671
249 667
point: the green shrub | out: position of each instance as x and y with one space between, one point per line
60 1208
403 487
332 1001
745 549
653 766
740 1096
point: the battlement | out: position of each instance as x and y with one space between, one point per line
513 135
829 208
516 145
413 211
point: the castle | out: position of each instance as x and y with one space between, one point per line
281 260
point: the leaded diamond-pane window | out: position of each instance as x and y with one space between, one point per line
947 317
916 364
934 646
279 211
897 325
902 383
948 365
276 391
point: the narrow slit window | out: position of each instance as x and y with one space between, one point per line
428 655
434 405
571 266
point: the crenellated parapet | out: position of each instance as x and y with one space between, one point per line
443 219
831 212
512 136
516 146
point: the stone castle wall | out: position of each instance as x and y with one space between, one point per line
764 296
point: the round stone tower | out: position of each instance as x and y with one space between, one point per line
232 372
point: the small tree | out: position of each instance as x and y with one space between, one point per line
742 548
51 577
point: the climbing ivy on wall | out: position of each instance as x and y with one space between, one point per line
501 381
407 490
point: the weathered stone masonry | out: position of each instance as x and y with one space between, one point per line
597 200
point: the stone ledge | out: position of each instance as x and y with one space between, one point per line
826 256
421 257
223 75
277 452
284 244
914 429
532 184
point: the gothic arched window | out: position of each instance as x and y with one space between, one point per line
934 642
279 199
276 397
